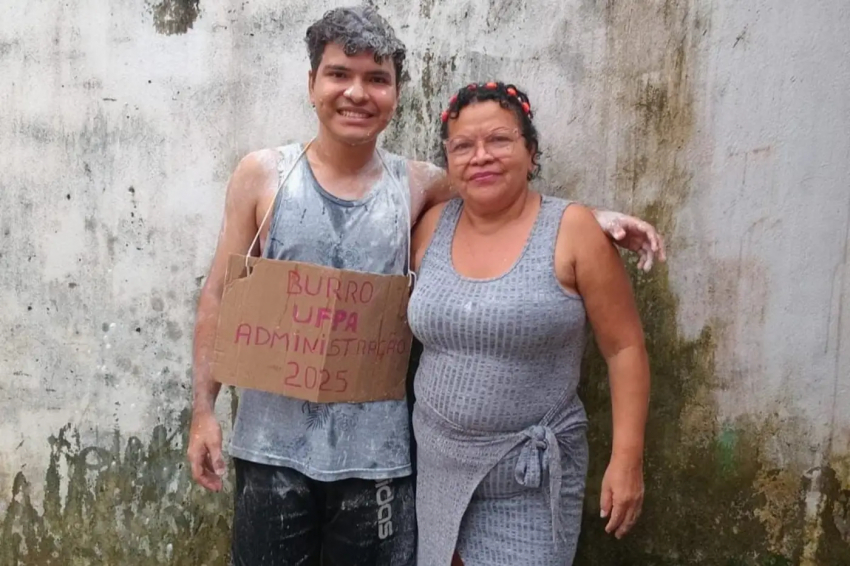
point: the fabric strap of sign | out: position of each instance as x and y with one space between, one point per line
393 181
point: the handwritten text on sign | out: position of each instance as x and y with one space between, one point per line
312 317
312 332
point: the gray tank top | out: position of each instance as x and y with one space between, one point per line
497 379
332 441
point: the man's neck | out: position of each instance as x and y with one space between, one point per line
341 157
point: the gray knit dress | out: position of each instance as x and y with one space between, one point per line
500 430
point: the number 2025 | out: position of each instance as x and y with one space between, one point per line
310 377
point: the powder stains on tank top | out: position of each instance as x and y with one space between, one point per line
332 441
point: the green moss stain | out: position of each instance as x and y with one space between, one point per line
726 443
840 499
130 504
701 495
834 545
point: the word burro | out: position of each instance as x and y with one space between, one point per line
351 292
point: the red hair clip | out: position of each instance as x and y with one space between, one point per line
526 108
491 86
444 117
512 91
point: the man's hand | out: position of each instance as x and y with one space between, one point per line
204 452
634 235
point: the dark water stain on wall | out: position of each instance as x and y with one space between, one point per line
501 11
834 519
414 131
129 504
701 484
712 495
172 17
425 8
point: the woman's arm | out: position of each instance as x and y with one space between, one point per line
588 263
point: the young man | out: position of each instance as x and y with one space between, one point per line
327 482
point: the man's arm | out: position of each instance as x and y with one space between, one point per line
429 186
633 234
254 176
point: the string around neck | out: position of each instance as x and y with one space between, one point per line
280 185
411 275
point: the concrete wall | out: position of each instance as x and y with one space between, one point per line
724 122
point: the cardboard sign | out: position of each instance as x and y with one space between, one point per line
311 332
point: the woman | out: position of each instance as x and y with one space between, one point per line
507 279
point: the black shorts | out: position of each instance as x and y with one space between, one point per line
284 518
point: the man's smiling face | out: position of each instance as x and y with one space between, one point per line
355 97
